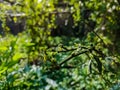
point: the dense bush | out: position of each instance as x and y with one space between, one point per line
85 60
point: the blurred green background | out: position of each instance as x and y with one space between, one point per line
59 44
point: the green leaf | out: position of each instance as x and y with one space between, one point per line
18 56
99 64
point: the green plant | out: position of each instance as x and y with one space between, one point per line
34 59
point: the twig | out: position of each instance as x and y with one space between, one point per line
73 55
99 38
106 46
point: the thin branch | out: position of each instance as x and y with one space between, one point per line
99 38
100 53
106 46
68 67
73 55
65 49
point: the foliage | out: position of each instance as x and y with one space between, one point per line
34 59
